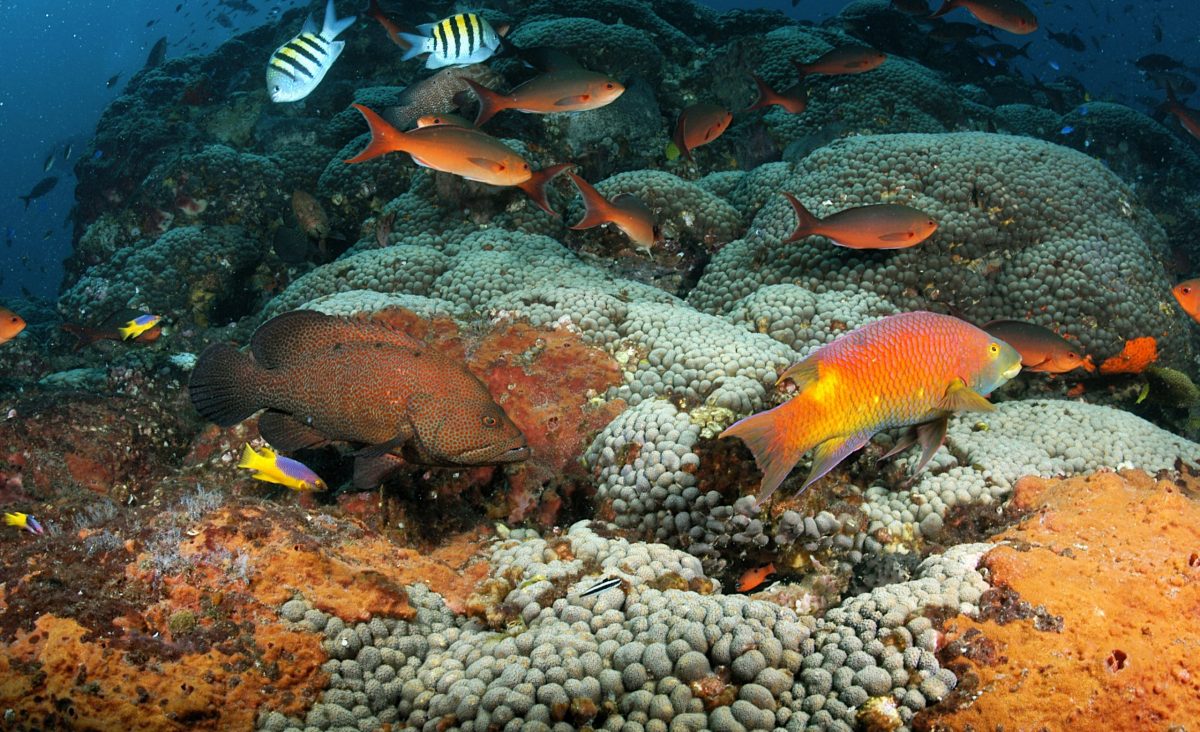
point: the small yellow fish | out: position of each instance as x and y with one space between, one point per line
24 521
138 326
274 468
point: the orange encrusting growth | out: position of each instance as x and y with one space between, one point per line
1134 358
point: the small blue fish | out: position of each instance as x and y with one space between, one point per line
1066 130
605 584
1054 65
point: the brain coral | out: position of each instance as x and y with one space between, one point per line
1028 230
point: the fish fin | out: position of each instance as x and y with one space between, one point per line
83 336
369 472
335 50
384 137
961 398
287 433
535 187
382 448
930 435
490 102
310 25
766 95
222 385
831 452
896 236
426 29
573 100
947 6
416 45
277 341
596 208
485 163
767 439
801 69
806 222
903 442
333 26
250 458
801 374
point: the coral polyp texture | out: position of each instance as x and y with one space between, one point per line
619 573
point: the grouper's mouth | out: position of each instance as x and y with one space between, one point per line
487 455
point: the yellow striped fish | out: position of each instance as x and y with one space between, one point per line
460 40
297 67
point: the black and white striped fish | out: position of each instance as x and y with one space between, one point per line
297 67
460 40
605 584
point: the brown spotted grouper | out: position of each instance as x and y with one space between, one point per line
322 378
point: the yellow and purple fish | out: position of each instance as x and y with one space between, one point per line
138 326
271 467
912 369
24 521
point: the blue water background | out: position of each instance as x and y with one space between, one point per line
58 55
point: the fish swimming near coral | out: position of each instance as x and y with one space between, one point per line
697 125
463 151
298 66
139 325
310 214
754 577
158 54
911 369
10 325
603 585
1010 15
322 378
44 186
877 226
1187 294
270 467
440 93
848 59
626 212
1189 119
110 330
23 521
565 90
1041 349
460 40
793 100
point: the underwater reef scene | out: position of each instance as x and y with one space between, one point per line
620 364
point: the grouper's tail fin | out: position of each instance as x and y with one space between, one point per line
222 386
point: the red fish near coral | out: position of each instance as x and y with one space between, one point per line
1188 118
1041 349
908 369
1187 294
462 151
324 379
850 59
563 90
878 226
698 125
10 325
793 101
753 578
626 212
1009 15
110 330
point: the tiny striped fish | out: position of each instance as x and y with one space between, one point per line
297 67
460 40
605 584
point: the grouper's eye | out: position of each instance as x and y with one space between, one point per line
490 421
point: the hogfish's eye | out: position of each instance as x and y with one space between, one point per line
490 421
994 349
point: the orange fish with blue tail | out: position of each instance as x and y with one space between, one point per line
912 369
1010 15
11 324
270 467
24 521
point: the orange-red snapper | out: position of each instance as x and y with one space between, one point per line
562 90
911 369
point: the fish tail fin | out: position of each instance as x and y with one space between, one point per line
535 187
1024 50
26 199
490 102
83 336
416 45
333 25
1171 99
384 137
596 208
776 440
250 459
806 222
766 95
222 385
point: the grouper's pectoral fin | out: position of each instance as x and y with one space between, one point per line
286 433
962 398
383 448
369 472
829 453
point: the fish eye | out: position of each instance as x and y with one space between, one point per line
1186 290
610 85
994 349
490 421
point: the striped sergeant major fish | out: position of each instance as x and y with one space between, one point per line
297 67
460 40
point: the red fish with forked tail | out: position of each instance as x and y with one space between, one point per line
626 212
849 59
878 226
1188 118
1010 15
793 101
908 369
321 379
698 125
